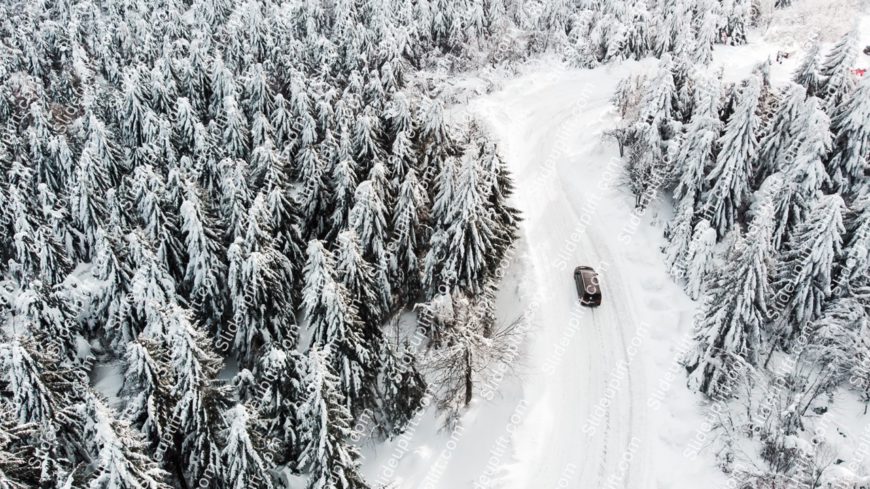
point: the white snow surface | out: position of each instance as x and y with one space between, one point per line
599 399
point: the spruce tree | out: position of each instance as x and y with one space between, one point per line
728 328
334 322
804 272
119 453
782 130
707 24
195 449
243 466
696 153
803 173
328 456
679 235
159 226
356 275
808 74
407 232
344 184
278 394
699 257
147 388
498 188
849 162
838 82
730 177
205 272
368 218
472 231
854 265
15 471
235 196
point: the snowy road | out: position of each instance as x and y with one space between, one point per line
586 426
587 390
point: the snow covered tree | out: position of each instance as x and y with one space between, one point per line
401 387
835 71
367 137
808 74
258 95
41 392
443 191
278 394
657 103
344 185
737 16
260 282
32 398
728 329
471 232
151 286
730 177
672 35
235 196
334 322
465 341
314 195
782 130
434 128
803 173
498 188
50 311
838 340
649 136
286 227
696 152
410 214
368 218
854 264
184 126
163 90
120 455
243 465
699 257
235 129
195 366
15 471
134 105
281 121
849 161
327 454
356 275
110 306
147 391
148 190
223 85
205 272
679 235
707 28
804 272
87 194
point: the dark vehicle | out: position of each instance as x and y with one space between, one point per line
587 286
867 50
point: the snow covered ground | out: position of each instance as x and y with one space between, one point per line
599 400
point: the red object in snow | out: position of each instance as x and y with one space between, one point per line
859 71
